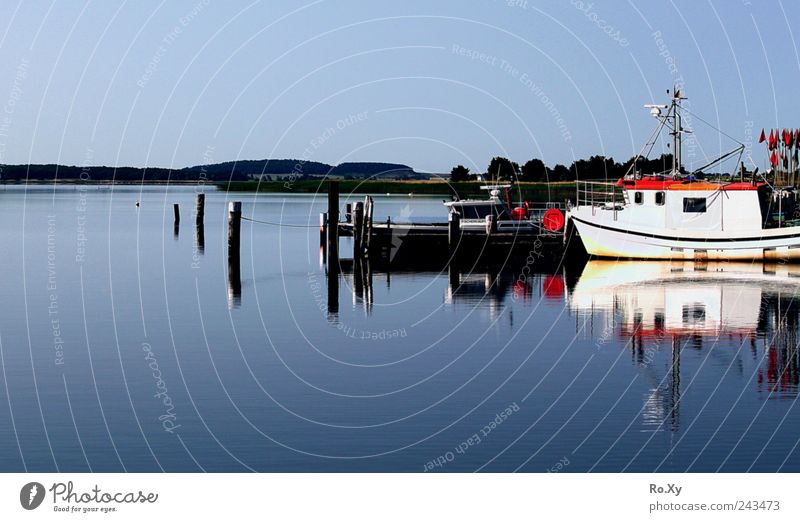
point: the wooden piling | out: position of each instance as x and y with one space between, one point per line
200 209
358 230
453 230
348 212
234 245
369 206
333 221
234 228
323 228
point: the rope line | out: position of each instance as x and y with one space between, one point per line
278 224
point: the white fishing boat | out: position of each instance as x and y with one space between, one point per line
679 215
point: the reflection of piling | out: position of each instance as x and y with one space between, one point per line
200 236
358 226
333 289
453 277
333 221
234 283
675 388
234 245
201 208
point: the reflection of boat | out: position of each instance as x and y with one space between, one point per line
658 298
689 304
678 215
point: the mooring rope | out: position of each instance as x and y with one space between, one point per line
279 224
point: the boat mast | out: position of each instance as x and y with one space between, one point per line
676 132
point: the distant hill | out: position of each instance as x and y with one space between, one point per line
227 171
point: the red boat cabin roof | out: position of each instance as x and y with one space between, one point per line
662 183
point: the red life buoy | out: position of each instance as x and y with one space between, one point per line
553 220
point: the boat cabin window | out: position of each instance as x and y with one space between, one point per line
694 204
660 197
638 197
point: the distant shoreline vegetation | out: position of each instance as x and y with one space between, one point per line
230 171
533 181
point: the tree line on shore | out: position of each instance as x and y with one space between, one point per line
534 170
242 170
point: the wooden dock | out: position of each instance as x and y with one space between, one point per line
431 244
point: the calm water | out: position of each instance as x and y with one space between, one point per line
125 347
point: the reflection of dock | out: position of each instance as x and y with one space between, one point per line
487 287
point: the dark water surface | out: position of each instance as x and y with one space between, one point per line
126 347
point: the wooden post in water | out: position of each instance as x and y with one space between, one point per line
358 224
453 230
348 212
176 229
333 221
201 208
323 238
234 244
323 228
234 228
368 210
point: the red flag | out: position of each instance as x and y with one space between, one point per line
762 138
773 159
785 137
771 142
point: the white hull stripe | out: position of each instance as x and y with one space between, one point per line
689 239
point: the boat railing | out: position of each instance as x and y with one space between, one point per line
599 193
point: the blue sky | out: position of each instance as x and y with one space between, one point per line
428 84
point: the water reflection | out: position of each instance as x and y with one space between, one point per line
488 287
200 238
657 306
234 281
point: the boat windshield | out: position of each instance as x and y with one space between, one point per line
480 211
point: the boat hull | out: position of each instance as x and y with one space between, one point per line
612 239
